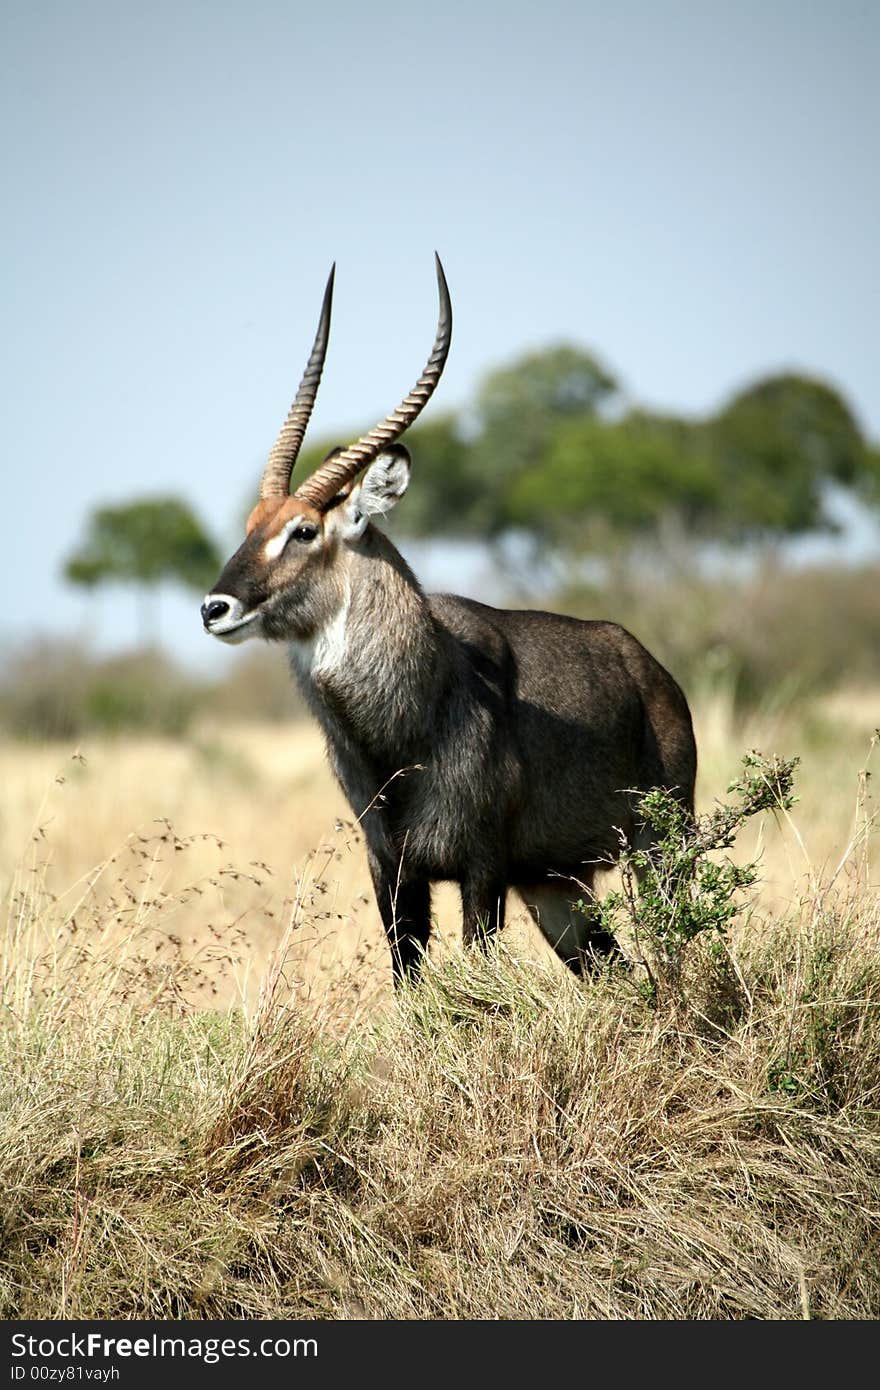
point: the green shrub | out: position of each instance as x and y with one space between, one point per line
674 887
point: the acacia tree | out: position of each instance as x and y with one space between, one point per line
144 543
468 465
547 449
778 446
545 456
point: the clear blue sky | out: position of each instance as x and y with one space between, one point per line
691 189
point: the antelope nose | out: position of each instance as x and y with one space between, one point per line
213 610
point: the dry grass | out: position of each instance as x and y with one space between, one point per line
262 804
502 1142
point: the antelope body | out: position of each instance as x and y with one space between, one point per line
485 746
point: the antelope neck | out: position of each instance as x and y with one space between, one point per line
374 659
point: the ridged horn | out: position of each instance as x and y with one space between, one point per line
279 465
334 473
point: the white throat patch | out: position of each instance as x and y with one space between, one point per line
326 651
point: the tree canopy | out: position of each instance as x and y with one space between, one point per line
777 446
551 450
548 446
144 542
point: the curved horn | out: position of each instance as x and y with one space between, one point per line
334 473
279 465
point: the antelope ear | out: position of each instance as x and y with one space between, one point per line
383 484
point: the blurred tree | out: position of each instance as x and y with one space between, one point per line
546 386
778 445
145 543
521 406
869 482
625 478
561 469
465 467
545 450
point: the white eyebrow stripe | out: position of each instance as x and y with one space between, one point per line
275 546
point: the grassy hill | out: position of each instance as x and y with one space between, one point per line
213 1106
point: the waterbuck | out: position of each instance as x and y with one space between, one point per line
492 748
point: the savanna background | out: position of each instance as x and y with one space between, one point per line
661 407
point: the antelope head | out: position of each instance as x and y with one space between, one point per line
284 581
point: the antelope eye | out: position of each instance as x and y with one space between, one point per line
305 533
